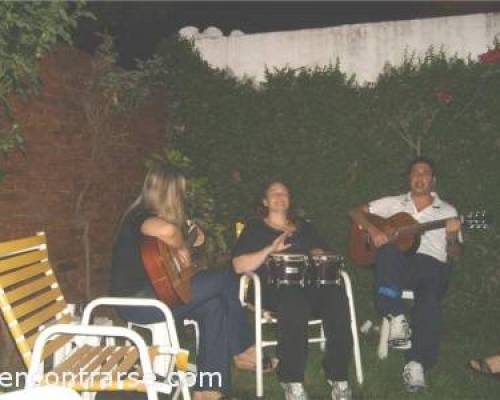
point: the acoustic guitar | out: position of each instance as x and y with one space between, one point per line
170 278
403 231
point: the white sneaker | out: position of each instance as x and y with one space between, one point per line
413 377
294 391
399 332
340 390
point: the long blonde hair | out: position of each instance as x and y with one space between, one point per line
163 193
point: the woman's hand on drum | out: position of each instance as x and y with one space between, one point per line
279 243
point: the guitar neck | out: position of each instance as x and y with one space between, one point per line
423 227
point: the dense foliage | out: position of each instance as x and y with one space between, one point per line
200 203
338 143
28 30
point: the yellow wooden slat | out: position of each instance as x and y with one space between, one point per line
129 385
23 274
41 316
72 360
101 385
84 360
29 289
17 245
37 302
22 260
114 359
65 319
54 345
95 365
128 361
98 384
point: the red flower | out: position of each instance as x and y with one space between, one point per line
444 96
490 57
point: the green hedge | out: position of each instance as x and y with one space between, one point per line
28 30
338 143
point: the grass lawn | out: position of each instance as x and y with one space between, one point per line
449 380
471 328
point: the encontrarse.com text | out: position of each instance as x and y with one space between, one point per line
106 379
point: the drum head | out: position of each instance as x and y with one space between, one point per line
285 269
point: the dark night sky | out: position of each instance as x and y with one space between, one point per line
138 26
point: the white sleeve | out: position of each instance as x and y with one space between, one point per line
383 207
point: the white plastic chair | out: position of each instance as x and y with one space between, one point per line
264 317
152 387
32 302
159 335
383 344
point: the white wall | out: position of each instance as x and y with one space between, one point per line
363 49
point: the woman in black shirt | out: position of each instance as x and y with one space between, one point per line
224 330
278 231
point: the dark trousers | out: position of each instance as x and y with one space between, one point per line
295 306
224 328
429 279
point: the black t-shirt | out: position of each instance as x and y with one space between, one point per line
128 276
257 235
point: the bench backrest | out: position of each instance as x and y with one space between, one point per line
30 297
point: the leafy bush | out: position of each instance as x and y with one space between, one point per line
200 203
28 30
339 144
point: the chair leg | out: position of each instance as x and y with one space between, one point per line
322 343
183 388
354 328
162 364
383 344
159 335
259 376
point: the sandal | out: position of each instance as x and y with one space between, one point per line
269 364
481 366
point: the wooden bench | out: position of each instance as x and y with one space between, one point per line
33 304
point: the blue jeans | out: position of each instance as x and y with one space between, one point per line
429 279
224 329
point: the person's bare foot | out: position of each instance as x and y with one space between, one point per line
244 364
246 360
207 395
488 365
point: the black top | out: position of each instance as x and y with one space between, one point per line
128 276
257 235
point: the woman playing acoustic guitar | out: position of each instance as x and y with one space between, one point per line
158 212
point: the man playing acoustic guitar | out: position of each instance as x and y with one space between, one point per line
426 272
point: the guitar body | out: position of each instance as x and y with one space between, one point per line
363 251
170 279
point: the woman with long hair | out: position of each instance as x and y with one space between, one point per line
276 230
224 332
